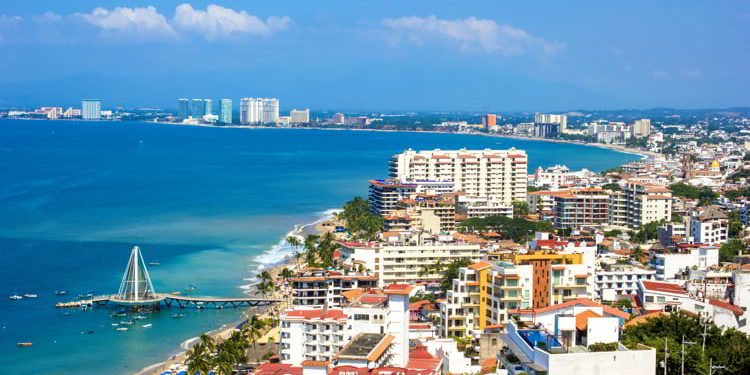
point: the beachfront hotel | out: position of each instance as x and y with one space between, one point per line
478 173
316 287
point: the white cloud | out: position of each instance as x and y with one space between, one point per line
145 21
217 21
469 33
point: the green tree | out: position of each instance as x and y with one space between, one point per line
613 187
286 274
735 225
729 250
295 243
451 272
520 208
198 359
360 220
517 229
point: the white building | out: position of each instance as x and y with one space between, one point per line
562 120
642 128
299 116
92 109
259 111
479 173
615 281
559 176
401 262
647 202
482 207
367 333
667 265
709 226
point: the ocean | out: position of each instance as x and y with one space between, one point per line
211 205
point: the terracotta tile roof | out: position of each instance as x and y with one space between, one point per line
419 326
353 294
418 305
398 289
420 359
642 319
278 369
576 302
480 265
655 286
315 363
379 349
733 308
582 319
315 314
372 300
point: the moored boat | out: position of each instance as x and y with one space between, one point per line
24 344
61 292
30 295
15 297
121 329
147 325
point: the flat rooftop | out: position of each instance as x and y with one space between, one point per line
361 345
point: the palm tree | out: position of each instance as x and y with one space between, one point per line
253 330
198 359
286 274
265 287
637 254
265 276
295 243
208 342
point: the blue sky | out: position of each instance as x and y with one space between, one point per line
379 55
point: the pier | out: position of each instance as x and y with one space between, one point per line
137 292
169 299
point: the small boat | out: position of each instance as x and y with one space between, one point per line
24 344
147 325
61 292
66 314
30 295
191 287
140 317
175 293
121 329
177 316
15 297
118 315
115 324
220 307
90 332
127 323
154 264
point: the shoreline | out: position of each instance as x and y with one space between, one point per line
274 268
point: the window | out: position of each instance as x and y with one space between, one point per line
649 299
361 317
661 299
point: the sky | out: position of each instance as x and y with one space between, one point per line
497 55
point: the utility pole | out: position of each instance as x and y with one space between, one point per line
682 362
705 328
666 355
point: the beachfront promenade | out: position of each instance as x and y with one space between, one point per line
170 299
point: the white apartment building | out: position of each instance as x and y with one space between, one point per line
401 262
617 209
259 111
482 207
642 128
709 226
541 201
318 287
480 173
647 202
301 116
559 176
689 256
375 322
562 120
617 280
673 233
385 195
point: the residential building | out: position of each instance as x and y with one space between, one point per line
479 173
613 282
208 108
197 109
338 118
673 233
709 226
432 213
647 203
299 116
576 208
72 112
541 202
52 112
317 287
488 121
471 207
225 111
617 209
402 262
546 130
558 177
668 264
557 276
183 109
385 195
259 111
367 333
642 128
538 351
560 120
91 109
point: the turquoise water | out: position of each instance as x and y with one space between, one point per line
209 204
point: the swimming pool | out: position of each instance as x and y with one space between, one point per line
533 337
